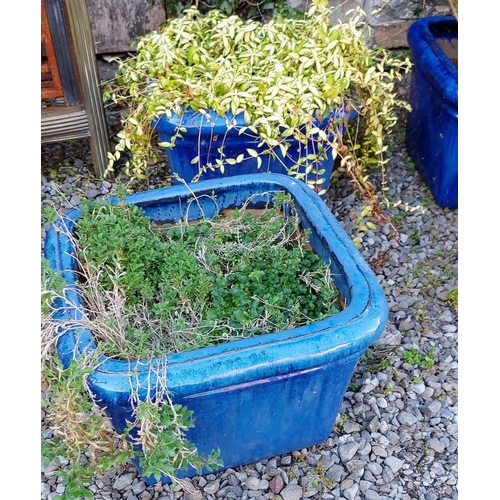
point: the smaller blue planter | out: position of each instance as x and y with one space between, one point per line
432 127
258 397
204 136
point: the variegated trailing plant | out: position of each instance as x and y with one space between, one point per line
279 75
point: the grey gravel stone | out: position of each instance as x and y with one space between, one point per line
92 193
355 465
336 472
212 488
394 463
351 427
291 492
372 495
194 495
252 483
139 487
123 481
347 451
406 418
380 451
350 493
263 484
437 445
431 409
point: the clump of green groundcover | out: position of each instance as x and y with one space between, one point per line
175 287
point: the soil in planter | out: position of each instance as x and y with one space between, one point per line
155 289
450 48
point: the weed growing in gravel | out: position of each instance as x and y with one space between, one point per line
340 422
414 357
320 472
49 214
453 298
377 358
410 166
353 387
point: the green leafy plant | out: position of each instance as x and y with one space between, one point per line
453 298
353 386
320 472
388 390
280 76
245 9
340 422
377 358
52 282
243 267
77 436
415 236
414 357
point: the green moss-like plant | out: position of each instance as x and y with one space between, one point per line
201 284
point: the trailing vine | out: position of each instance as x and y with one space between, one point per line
280 75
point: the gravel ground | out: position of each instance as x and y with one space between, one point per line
397 429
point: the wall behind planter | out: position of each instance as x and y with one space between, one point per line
116 23
391 23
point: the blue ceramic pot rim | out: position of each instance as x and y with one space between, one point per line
196 122
209 368
430 58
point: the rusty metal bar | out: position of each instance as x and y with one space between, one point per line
61 40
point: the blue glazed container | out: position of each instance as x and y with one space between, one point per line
432 127
204 136
258 397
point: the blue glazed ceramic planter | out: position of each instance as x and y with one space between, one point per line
432 127
258 397
204 136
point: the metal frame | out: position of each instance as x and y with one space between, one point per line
85 119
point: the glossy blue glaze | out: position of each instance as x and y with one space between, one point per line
258 397
432 127
205 135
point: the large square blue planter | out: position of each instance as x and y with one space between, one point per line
432 127
254 398
203 137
